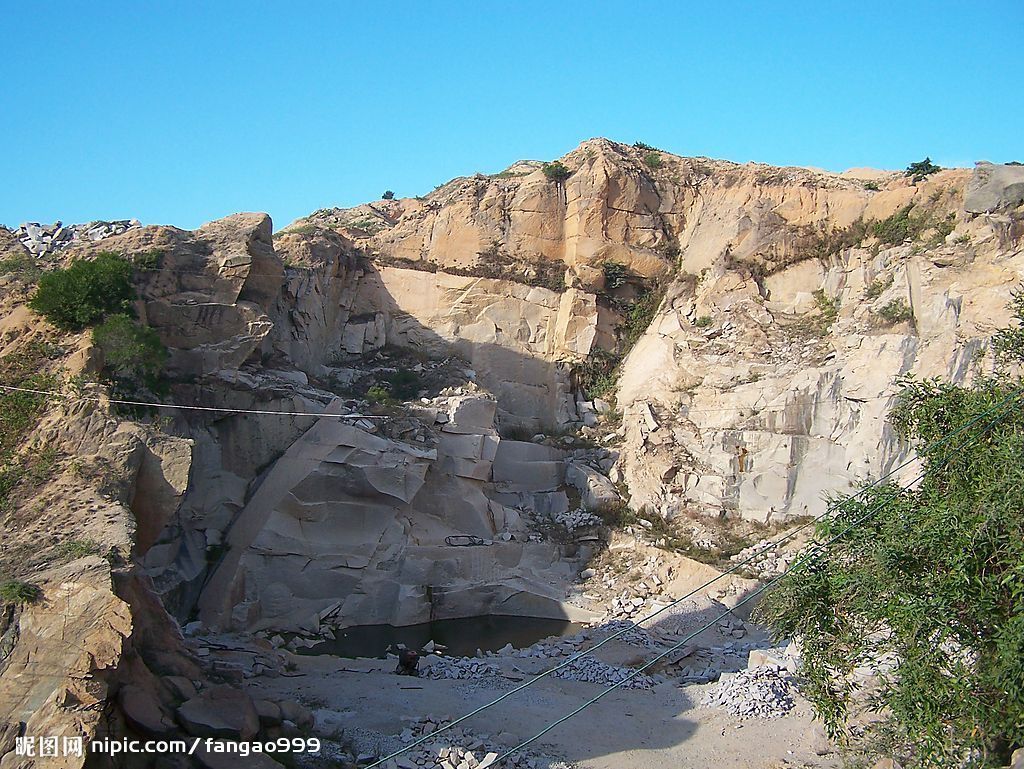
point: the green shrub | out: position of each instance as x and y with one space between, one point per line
404 384
83 293
645 147
872 186
556 172
17 592
77 548
131 352
21 266
896 311
379 394
148 260
899 227
877 287
388 195
931 578
615 275
653 160
703 321
942 229
596 374
922 168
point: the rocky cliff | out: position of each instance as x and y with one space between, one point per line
353 398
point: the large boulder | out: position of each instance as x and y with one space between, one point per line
993 187
220 711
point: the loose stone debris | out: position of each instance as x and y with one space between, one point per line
762 692
577 519
458 668
42 239
595 671
459 749
768 561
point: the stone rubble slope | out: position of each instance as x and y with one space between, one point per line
43 239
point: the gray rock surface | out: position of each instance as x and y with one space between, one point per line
994 187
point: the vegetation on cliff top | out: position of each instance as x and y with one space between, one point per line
81 294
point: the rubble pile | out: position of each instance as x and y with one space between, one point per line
634 634
459 668
761 692
576 519
768 561
42 239
459 749
594 671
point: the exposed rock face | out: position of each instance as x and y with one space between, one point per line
993 187
301 501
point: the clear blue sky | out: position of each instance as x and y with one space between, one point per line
182 112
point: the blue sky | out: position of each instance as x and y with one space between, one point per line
178 113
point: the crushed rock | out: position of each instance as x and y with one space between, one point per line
595 671
762 692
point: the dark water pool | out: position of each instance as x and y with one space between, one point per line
462 636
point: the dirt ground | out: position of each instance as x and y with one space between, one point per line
628 729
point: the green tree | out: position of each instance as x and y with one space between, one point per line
83 293
556 172
131 353
926 584
922 168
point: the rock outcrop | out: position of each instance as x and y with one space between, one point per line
378 414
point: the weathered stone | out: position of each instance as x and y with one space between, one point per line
220 711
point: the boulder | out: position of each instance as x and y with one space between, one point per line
142 711
221 711
993 187
596 491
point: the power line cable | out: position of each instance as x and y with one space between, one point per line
156 404
804 558
637 671
736 567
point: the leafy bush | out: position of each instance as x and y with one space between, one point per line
703 321
131 353
83 293
899 227
922 168
77 548
646 147
896 311
596 374
615 275
404 384
147 260
16 592
21 266
653 160
877 287
872 186
388 195
931 578
556 172
379 394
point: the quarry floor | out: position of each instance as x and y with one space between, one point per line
628 729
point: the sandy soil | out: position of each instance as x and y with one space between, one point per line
628 729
